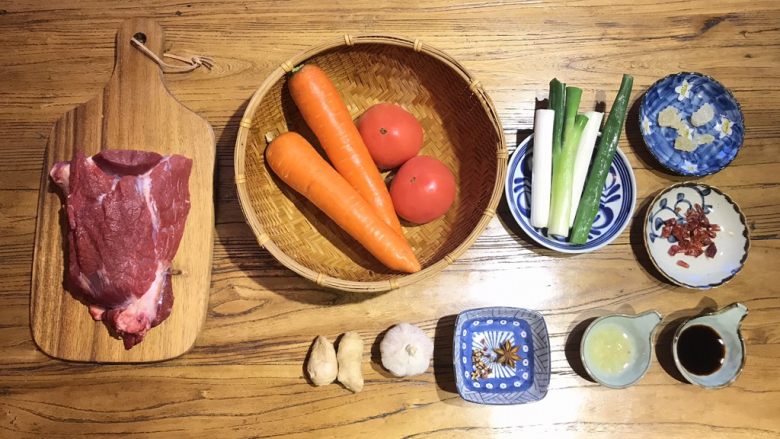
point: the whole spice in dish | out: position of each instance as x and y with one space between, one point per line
481 368
695 235
507 354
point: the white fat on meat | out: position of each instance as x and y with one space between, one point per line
144 186
60 173
138 314
96 311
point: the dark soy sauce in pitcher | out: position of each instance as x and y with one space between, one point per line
701 350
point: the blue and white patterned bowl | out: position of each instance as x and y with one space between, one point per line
687 92
732 241
481 335
617 202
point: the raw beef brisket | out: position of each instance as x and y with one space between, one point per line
126 212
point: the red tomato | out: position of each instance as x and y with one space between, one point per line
422 190
391 134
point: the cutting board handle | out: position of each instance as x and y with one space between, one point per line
136 94
134 72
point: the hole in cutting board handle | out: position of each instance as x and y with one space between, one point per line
141 37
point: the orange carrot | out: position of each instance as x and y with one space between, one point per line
295 161
328 117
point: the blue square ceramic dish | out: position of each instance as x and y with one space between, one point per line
687 93
501 356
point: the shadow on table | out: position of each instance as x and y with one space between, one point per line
376 356
443 370
304 370
572 348
637 241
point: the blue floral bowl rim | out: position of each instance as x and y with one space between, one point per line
571 250
464 315
742 219
652 151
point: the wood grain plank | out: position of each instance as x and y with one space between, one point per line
244 377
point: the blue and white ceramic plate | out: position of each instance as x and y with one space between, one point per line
617 202
687 93
732 241
501 356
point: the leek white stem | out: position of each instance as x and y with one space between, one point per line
541 173
582 161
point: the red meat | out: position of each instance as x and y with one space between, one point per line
126 213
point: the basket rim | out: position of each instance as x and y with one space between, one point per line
264 240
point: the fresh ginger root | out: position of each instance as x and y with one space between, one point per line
322 366
350 357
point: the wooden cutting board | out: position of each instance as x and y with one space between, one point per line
134 111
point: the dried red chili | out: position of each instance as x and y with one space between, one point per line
694 235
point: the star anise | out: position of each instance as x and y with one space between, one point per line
507 354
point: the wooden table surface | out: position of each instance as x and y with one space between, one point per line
244 377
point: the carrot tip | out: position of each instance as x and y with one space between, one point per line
413 267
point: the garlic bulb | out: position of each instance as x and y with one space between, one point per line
406 350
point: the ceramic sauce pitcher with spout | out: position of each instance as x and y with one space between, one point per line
709 350
616 349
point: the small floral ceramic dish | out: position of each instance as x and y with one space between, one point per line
719 258
691 123
617 202
501 356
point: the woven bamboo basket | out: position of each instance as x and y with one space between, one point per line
461 128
